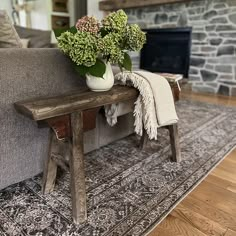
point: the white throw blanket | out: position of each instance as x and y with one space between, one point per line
154 106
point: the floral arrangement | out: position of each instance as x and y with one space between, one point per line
90 44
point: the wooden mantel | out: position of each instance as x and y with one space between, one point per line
111 5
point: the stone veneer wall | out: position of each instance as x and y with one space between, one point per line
213 59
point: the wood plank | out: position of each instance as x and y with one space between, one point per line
225 175
50 168
210 98
211 212
111 5
175 92
227 167
179 227
216 197
232 156
221 182
231 160
144 140
174 142
48 107
60 126
230 233
198 221
62 162
89 118
77 175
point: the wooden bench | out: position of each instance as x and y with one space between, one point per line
67 116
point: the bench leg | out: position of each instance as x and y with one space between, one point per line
143 140
174 142
77 175
50 168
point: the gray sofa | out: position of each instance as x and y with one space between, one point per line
28 73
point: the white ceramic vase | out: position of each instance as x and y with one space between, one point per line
99 84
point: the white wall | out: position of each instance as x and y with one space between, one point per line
6 5
40 15
41 12
92 8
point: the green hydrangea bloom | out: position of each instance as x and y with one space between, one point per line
110 42
66 41
83 50
110 47
117 56
115 21
135 38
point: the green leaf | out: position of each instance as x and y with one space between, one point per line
120 66
103 32
98 69
127 63
58 32
82 70
72 29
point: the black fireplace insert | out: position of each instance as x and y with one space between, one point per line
167 50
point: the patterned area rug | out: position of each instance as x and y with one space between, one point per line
129 191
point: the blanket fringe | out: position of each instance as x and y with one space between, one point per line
144 111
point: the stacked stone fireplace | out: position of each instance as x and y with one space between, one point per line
213 53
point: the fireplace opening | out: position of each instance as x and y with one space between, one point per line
167 51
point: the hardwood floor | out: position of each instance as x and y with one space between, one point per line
210 209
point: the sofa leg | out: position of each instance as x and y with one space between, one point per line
174 142
50 168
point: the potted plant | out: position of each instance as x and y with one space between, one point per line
94 46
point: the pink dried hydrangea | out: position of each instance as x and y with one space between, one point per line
88 24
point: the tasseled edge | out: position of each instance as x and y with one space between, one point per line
144 111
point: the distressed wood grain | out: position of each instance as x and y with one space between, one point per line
144 140
230 233
174 142
77 175
66 114
61 161
210 212
178 227
50 167
196 220
48 107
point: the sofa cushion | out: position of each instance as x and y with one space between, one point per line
38 38
8 35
